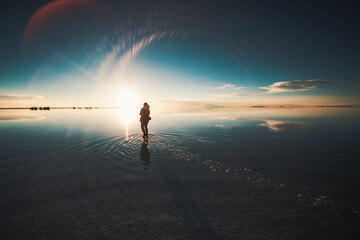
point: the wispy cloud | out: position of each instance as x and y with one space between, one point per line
188 106
229 118
227 95
277 87
117 60
15 97
293 86
228 86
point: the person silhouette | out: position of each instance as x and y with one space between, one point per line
145 118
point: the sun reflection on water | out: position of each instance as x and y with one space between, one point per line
127 115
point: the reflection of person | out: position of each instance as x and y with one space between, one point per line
145 118
145 154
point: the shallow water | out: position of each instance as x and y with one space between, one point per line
251 174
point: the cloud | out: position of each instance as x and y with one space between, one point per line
277 87
228 86
15 98
188 106
118 59
226 95
292 86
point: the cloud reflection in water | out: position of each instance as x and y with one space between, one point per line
277 126
274 125
11 116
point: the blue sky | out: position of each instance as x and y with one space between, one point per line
78 52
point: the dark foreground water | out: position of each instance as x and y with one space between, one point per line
252 174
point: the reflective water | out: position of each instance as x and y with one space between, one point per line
254 173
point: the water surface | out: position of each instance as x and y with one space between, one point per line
251 174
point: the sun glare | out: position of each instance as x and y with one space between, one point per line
126 99
128 104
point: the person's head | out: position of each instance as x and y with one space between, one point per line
146 105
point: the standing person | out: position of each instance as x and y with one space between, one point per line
145 118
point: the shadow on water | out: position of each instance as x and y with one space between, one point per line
194 219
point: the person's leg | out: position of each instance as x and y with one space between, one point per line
143 128
146 128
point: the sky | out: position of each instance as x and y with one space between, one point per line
179 54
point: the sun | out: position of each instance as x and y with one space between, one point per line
126 99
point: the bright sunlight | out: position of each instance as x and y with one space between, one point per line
126 99
129 105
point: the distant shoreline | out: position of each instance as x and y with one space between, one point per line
28 108
245 107
335 106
